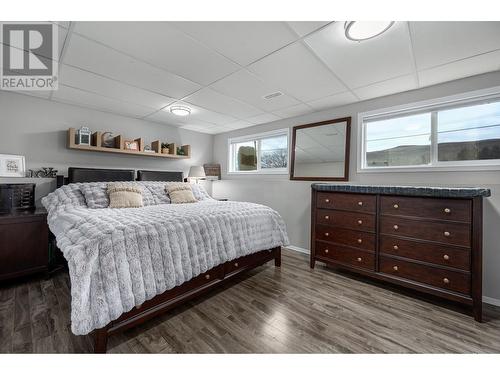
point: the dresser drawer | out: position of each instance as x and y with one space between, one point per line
426 252
354 220
444 232
340 254
433 208
451 280
360 240
347 202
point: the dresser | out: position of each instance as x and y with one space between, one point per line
425 239
24 243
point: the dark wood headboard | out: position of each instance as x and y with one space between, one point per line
98 175
159 176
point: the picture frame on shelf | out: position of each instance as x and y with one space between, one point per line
12 166
131 145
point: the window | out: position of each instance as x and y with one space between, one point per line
452 135
259 153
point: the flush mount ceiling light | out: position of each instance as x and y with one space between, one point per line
364 30
180 110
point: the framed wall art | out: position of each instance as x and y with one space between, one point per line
12 166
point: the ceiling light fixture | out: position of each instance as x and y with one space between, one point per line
359 31
180 110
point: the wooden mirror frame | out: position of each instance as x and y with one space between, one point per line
347 120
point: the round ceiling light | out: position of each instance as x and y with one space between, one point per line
364 30
180 110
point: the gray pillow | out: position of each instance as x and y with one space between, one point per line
96 194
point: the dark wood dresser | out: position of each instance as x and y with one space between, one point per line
426 239
24 238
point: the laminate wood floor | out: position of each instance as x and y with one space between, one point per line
269 310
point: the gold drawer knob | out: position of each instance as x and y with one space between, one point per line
326 251
327 200
446 234
236 264
395 226
360 203
395 247
207 276
327 234
360 240
446 281
447 210
446 257
359 259
327 217
395 268
396 205
360 222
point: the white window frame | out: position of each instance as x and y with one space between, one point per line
253 137
470 98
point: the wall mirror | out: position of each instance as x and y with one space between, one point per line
320 151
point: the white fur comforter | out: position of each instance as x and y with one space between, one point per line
119 258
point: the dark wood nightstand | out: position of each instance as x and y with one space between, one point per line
24 243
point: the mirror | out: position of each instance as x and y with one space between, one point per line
320 151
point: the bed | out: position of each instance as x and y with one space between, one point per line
129 265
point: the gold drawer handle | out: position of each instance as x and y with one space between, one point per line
359 259
236 264
446 281
395 226
395 268
360 222
327 200
327 217
327 234
446 257
360 203
447 210
396 206
326 251
360 240
395 247
207 276
446 234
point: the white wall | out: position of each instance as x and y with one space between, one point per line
37 129
292 198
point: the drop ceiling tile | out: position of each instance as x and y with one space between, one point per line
247 87
360 64
332 101
263 119
293 111
298 72
201 128
94 57
71 95
487 62
243 42
305 27
200 116
437 43
212 100
38 94
388 87
240 124
84 80
162 45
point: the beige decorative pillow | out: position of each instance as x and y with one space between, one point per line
180 192
124 196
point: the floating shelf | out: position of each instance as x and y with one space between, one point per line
119 147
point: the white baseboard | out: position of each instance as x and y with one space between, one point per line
298 249
488 300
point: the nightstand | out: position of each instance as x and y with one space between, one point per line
24 242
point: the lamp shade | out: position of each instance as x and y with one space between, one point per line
196 172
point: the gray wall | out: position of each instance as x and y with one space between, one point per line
292 198
37 129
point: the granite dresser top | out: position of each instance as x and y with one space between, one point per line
421 191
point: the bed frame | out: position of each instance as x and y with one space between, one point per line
195 287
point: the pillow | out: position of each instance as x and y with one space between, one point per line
180 192
199 192
96 193
124 195
157 191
